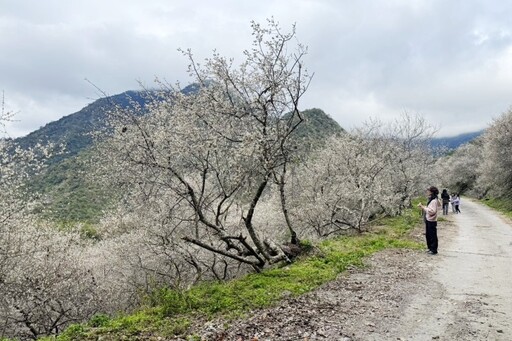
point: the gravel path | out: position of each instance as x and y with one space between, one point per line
471 295
463 293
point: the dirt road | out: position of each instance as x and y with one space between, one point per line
471 291
462 293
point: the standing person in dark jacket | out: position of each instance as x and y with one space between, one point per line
445 197
430 217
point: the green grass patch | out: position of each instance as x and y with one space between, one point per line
169 311
504 205
399 226
125 327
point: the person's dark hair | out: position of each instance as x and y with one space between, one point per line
433 190
445 191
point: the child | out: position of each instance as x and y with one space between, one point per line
456 203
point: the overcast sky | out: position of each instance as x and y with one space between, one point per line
450 61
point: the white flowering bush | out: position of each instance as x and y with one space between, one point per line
44 285
460 171
482 167
496 166
371 172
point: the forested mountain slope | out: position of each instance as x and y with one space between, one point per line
74 131
69 197
454 142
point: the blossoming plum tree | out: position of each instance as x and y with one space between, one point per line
217 152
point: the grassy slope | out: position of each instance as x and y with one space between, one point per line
169 312
70 196
503 205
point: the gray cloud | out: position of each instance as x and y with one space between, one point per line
450 61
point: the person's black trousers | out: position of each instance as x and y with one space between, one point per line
431 234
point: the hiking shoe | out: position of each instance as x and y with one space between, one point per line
430 252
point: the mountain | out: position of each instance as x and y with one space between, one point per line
455 141
70 198
317 125
74 131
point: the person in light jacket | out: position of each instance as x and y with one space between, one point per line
452 201
430 217
456 203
